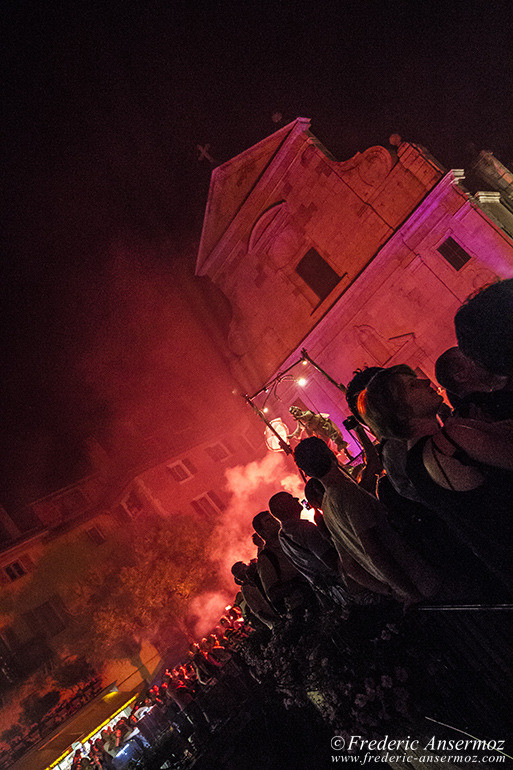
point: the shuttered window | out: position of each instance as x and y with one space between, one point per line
209 505
454 253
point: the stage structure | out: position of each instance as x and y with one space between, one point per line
308 418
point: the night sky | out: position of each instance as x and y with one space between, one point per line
103 197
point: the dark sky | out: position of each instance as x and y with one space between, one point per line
103 197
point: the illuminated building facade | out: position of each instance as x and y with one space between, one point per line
362 262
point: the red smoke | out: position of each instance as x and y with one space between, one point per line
250 486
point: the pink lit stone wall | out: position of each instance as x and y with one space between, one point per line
401 309
265 212
378 220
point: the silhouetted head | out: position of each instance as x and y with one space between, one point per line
360 380
484 327
285 507
314 492
239 570
314 457
458 374
266 525
257 540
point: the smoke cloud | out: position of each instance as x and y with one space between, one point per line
250 486
206 609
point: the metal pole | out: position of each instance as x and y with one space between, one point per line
306 357
277 378
283 444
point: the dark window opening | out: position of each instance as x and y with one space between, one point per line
182 470
178 472
208 505
217 452
454 253
15 570
216 500
122 515
204 507
95 535
189 465
317 274
134 504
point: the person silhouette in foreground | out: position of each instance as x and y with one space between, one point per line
285 587
308 550
372 554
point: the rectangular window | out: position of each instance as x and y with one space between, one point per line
14 571
180 472
189 465
217 452
317 274
134 504
454 253
122 515
95 535
209 505
216 500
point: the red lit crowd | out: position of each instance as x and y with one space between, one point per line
61 712
187 705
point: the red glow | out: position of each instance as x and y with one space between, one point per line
250 486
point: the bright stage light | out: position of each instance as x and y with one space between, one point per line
302 382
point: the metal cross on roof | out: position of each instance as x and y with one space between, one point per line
204 153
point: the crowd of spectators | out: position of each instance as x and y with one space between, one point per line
425 523
29 735
180 706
